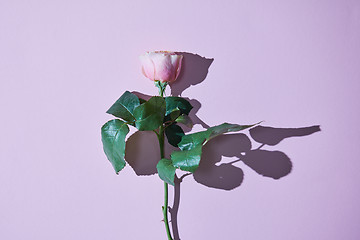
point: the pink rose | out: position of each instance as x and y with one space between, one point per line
161 65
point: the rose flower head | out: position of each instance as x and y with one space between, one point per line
161 66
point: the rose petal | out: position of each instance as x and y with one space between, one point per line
163 66
176 61
148 67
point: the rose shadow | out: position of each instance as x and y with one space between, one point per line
213 171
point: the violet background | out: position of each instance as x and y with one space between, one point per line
290 63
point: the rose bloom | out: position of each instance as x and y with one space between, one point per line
161 65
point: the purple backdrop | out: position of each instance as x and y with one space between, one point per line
291 63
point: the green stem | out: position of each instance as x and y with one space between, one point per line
161 138
161 86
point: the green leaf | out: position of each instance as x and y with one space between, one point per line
113 135
150 115
227 127
175 114
177 103
166 171
174 133
192 140
185 119
124 106
172 116
187 160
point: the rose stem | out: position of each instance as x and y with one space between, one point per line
161 143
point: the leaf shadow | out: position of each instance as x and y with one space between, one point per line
215 173
142 152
